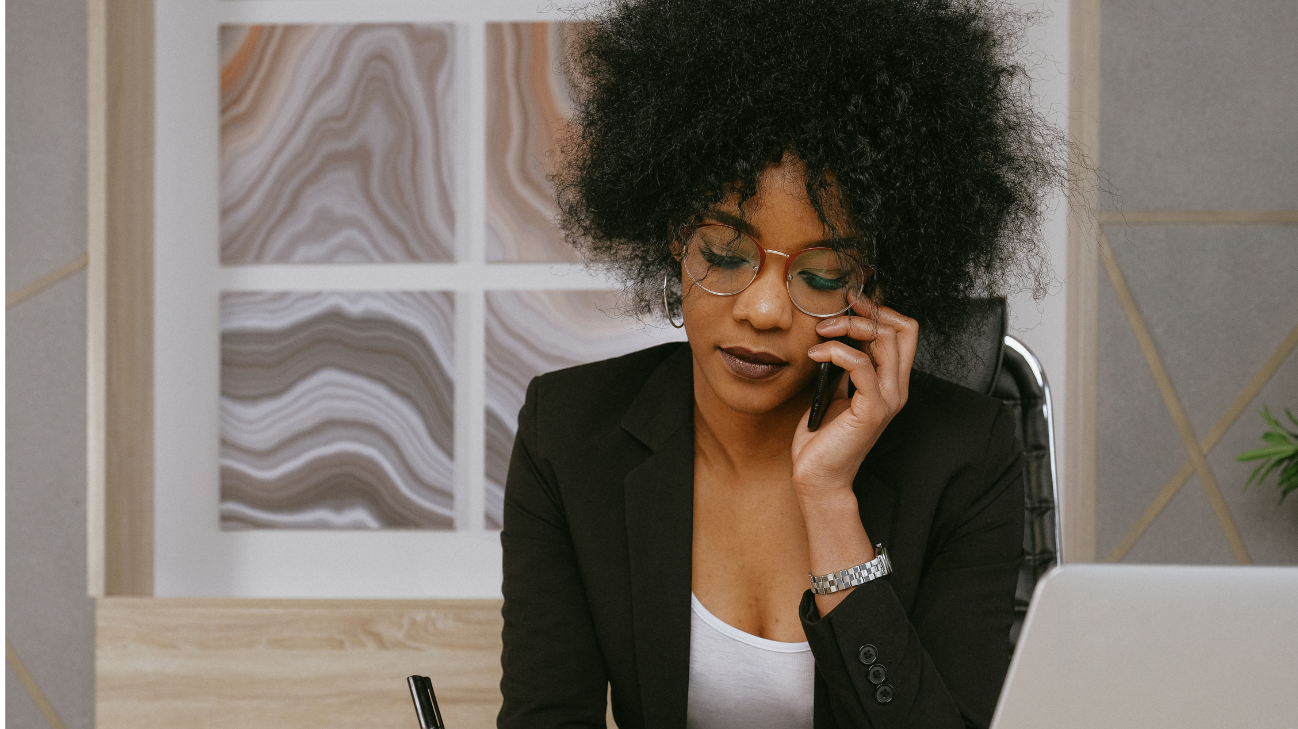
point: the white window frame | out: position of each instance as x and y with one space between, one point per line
192 555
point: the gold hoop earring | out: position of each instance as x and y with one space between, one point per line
667 309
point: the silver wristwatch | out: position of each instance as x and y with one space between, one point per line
853 576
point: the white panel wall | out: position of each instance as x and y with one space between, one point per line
192 556
1042 325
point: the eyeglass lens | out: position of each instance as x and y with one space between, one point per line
724 261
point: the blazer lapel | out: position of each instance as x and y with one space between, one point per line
659 501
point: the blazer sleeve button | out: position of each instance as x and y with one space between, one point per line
884 694
868 654
878 674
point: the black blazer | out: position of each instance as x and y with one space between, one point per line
598 525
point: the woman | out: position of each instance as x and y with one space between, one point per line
802 183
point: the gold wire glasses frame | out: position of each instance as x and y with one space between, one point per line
821 282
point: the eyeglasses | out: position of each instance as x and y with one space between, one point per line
821 282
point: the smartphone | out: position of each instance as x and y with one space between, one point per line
826 381
426 709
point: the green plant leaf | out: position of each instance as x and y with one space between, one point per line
1279 427
1269 452
1253 477
1281 452
1269 418
1289 479
1269 468
1279 439
1290 471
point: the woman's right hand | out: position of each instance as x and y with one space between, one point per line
826 461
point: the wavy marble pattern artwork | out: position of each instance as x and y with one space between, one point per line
336 143
528 106
533 332
337 410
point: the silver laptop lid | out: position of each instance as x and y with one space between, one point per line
1156 646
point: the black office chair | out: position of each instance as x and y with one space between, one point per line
1004 367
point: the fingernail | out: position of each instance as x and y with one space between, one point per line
825 323
813 350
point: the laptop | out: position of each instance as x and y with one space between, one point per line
1150 646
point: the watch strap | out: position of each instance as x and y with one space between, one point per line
853 576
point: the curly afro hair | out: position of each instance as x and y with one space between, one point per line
913 118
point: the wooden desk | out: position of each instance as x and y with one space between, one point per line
284 664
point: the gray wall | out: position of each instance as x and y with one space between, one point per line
49 620
1198 106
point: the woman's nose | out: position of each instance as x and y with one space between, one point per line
765 303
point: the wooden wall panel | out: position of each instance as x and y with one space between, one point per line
119 323
286 664
1077 489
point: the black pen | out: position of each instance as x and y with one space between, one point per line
421 690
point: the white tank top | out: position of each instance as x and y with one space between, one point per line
741 681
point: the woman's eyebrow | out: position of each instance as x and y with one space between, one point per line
743 226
